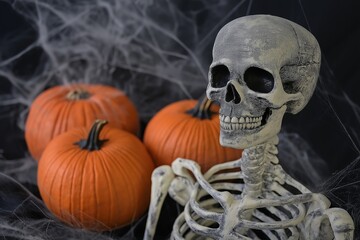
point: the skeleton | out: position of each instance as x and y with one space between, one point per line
263 66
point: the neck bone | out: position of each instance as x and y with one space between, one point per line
254 163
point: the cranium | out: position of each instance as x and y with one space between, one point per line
263 66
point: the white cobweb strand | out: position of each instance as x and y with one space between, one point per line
88 41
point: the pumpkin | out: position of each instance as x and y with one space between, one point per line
98 180
61 108
188 129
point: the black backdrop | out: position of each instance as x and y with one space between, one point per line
330 124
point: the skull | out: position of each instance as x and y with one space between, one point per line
263 66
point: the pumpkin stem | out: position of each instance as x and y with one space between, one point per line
93 142
202 108
78 94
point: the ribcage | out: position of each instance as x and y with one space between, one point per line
276 214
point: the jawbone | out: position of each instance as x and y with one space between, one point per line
252 130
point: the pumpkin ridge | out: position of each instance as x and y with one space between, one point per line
156 135
206 148
209 155
89 212
74 176
69 155
60 181
84 113
83 187
116 166
163 136
187 140
95 176
109 183
133 192
128 152
44 174
75 159
221 149
42 115
214 144
202 149
202 157
65 115
178 129
215 140
58 112
134 164
47 196
184 140
126 185
80 117
57 121
107 187
32 129
68 116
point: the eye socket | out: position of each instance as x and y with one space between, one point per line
259 80
220 75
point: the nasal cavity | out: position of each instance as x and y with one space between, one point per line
231 94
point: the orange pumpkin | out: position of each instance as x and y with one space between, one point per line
99 183
61 108
189 130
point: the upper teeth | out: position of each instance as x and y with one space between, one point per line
228 119
235 123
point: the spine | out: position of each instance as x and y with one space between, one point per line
253 167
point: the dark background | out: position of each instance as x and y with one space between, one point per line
330 124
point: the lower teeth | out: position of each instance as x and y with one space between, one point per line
231 126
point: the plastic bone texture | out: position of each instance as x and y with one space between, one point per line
263 66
